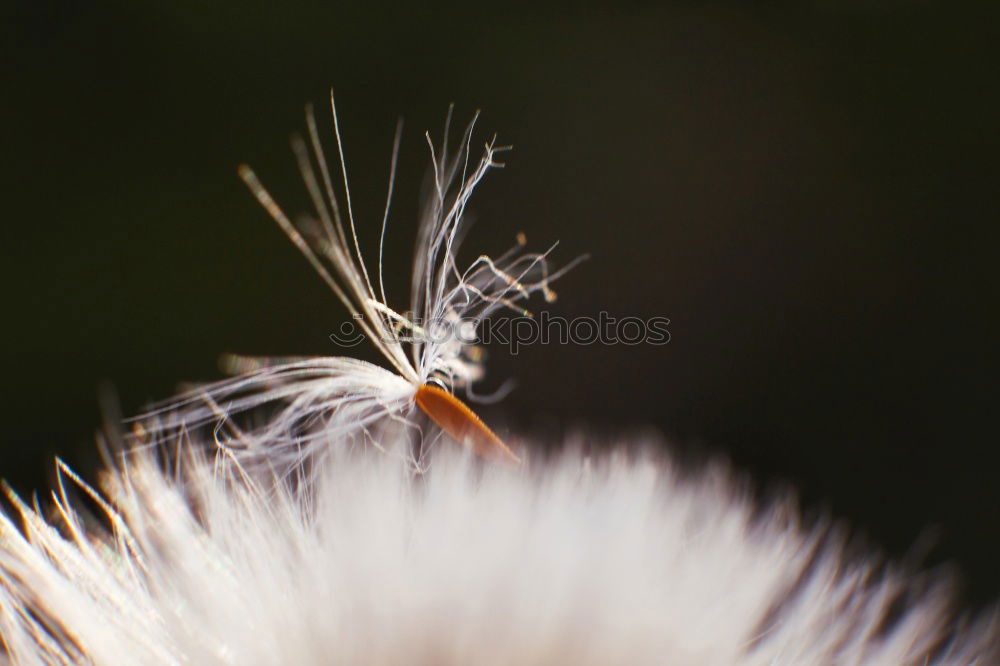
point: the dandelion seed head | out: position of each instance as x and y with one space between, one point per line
614 559
247 521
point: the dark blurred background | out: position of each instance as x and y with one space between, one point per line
807 190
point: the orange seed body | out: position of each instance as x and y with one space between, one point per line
462 424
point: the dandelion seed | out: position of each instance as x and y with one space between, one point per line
337 399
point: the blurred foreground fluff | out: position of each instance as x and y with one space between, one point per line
612 560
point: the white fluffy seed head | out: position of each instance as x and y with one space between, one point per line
610 560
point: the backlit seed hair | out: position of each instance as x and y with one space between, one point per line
317 401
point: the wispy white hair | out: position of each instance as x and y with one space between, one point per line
317 400
615 559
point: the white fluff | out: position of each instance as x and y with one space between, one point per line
616 560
